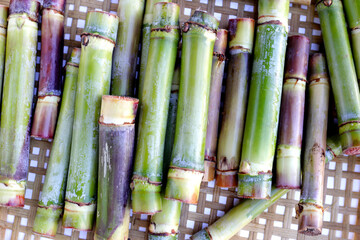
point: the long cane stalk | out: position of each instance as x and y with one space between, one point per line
342 73
146 185
116 147
288 162
310 208
352 12
3 31
145 42
97 44
130 13
18 91
238 217
236 96
259 143
217 74
49 91
51 202
165 224
187 161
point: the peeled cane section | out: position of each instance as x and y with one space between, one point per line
238 217
3 31
51 202
259 143
342 73
217 74
130 14
145 41
97 44
288 162
19 78
165 224
187 161
146 185
310 208
352 12
236 95
116 147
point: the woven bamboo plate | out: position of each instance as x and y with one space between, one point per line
342 192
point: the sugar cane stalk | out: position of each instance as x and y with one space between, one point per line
310 208
130 13
259 143
116 147
342 73
49 91
19 78
146 184
288 162
3 31
145 42
217 73
51 202
333 148
352 12
187 161
236 96
165 224
238 217
97 44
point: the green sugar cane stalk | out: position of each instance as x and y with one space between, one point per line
288 161
342 73
50 81
352 12
116 147
165 224
130 13
310 208
187 161
146 184
3 31
51 202
259 142
236 96
97 44
19 78
217 74
333 148
238 217
145 42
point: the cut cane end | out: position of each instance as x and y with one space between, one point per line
350 137
201 235
310 219
46 221
162 231
12 193
152 236
45 117
183 185
79 217
146 197
226 179
254 186
209 171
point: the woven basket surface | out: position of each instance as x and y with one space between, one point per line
342 181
